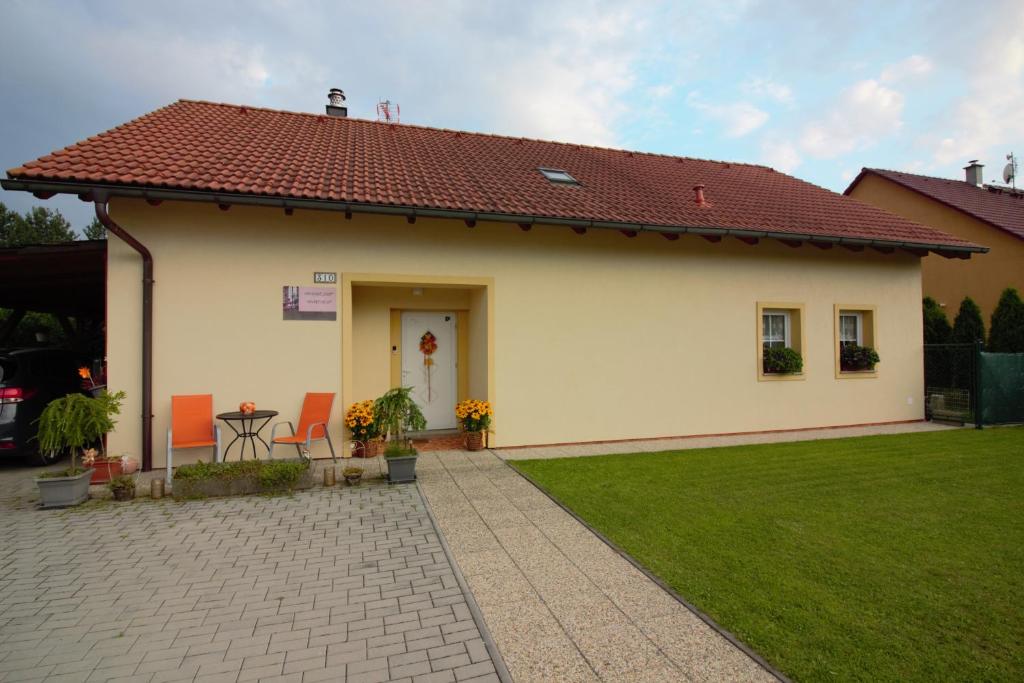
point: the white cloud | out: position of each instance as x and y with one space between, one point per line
781 155
990 113
864 113
765 87
738 118
913 66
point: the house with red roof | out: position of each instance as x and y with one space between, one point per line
981 213
589 294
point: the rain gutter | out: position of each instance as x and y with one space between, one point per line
86 191
147 326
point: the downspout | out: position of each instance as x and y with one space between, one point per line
147 330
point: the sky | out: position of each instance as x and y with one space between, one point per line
817 89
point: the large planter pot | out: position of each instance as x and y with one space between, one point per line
402 469
62 492
474 441
105 470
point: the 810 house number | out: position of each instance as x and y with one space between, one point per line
325 278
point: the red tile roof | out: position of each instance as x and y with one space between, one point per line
999 207
208 147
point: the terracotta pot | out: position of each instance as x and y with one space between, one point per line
475 441
104 470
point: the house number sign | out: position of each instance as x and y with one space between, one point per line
325 278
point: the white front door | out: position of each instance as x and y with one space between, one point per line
428 364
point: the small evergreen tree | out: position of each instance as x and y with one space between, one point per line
968 327
95 230
936 325
1006 333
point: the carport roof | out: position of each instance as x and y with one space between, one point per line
68 278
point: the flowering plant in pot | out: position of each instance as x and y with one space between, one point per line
475 419
853 358
397 414
782 361
70 424
365 428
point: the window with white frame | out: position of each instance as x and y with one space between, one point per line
775 329
851 329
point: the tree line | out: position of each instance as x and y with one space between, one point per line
1006 327
40 225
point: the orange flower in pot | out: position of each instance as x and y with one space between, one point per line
247 407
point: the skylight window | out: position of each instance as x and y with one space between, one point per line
558 176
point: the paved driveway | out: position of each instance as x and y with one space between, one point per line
331 584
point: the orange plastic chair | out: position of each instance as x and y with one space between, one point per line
316 413
192 427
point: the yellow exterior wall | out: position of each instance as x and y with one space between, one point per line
983 277
583 338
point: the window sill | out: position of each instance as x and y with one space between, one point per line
779 377
856 374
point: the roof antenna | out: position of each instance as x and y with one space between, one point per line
388 111
1010 172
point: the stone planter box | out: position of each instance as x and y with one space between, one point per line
62 492
402 470
236 486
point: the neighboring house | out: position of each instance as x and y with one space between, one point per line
591 294
982 214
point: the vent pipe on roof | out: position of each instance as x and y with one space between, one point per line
973 169
335 103
699 200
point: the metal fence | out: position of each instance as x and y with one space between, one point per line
963 383
950 381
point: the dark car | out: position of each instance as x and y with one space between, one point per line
29 379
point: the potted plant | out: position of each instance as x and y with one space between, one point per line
365 428
90 383
397 413
71 423
853 358
782 361
352 475
122 487
474 419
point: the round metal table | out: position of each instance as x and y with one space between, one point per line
248 430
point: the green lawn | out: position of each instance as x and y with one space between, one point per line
875 558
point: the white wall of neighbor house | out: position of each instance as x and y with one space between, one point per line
595 337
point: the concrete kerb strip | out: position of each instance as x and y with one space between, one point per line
499 664
740 645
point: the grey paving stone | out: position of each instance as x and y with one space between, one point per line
327 585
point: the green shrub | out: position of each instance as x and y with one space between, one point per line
853 358
275 474
785 361
1006 333
936 325
968 327
123 482
76 421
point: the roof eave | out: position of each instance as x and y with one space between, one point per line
45 189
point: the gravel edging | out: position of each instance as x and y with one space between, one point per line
499 664
736 642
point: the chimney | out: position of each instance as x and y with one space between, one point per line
973 169
335 106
